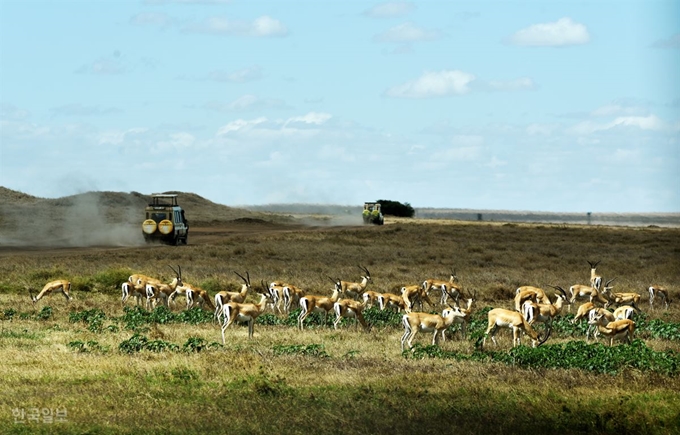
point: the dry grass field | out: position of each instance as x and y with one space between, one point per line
80 356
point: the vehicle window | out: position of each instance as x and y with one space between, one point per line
158 216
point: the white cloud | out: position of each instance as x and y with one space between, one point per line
651 122
390 9
240 125
117 137
540 129
434 84
554 34
407 32
315 118
10 111
264 26
520 84
495 162
176 141
615 110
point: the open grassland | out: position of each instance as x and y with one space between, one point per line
124 371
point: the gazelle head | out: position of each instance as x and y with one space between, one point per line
178 274
337 283
593 266
368 274
562 295
245 279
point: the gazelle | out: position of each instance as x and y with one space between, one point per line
276 295
355 289
62 285
465 318
128 289
222 297
415 322
447 288
541 296
618 329
580 291
370 298
198 296
586 310
391 301
595 279
523 296
621 298
158 291
350 308
413 294
660 292
544 313
321 304
624 312
291 296
502 318
233 311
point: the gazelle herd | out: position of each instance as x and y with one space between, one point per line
532 305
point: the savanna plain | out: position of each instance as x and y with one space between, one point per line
121 369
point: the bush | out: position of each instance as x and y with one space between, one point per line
395 208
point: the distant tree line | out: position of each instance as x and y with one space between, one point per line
395 208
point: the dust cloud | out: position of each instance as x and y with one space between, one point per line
78 221
315 214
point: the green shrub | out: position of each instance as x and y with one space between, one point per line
315 350
111 279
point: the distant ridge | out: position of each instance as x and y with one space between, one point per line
116 205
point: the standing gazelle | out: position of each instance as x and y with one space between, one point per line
657 291
447 288
62 285
223 297
415 322
355 289
580 291
545 313
350 308
233 311
595 279
314 303
502 318
618 329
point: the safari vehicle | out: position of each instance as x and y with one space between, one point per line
165 221
372 214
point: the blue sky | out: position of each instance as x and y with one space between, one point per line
546 106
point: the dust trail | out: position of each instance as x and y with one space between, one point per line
82 220
315 214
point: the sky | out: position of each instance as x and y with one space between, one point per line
561 106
